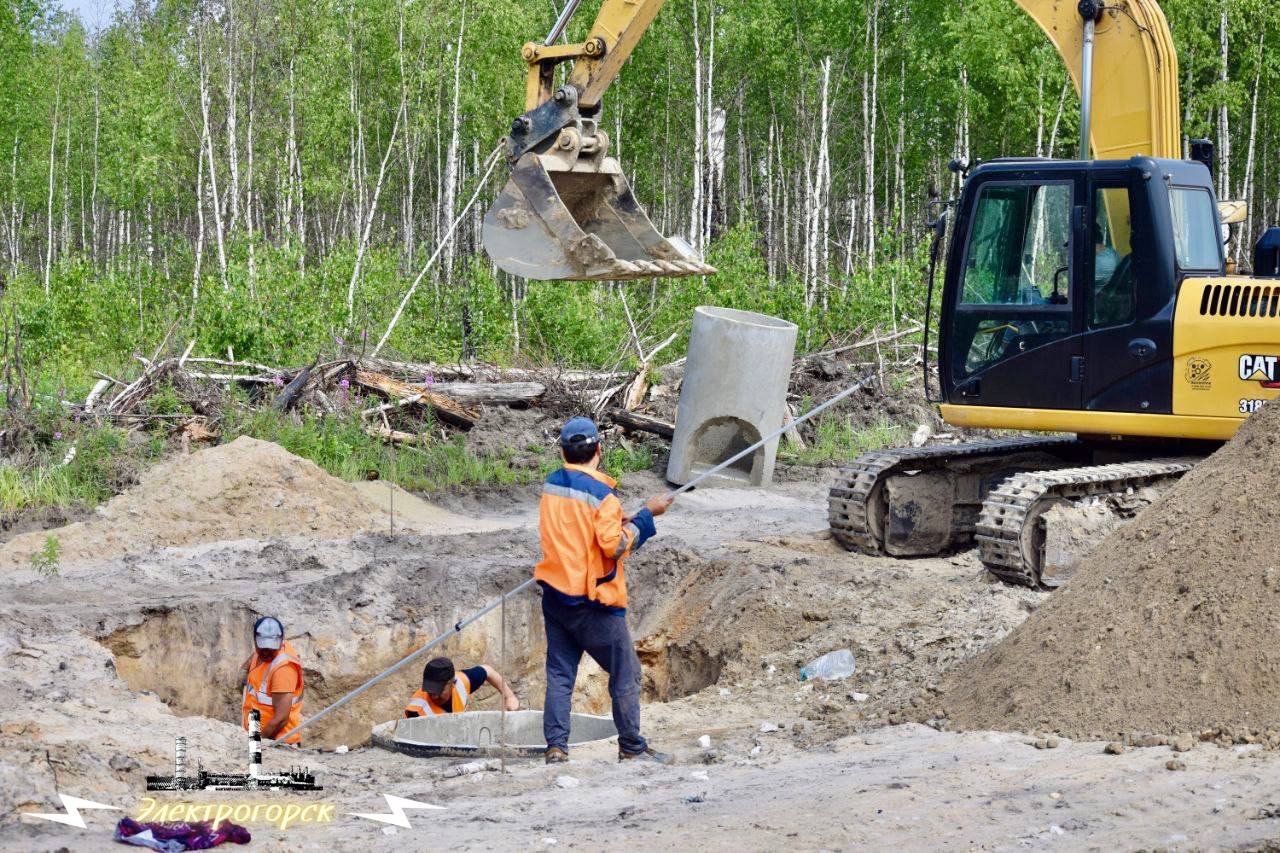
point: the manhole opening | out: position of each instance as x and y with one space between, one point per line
722 438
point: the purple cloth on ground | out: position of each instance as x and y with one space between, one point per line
192 836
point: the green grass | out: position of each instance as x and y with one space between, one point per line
106 460
620 461
838 440
340 446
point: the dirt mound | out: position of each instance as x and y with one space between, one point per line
1168 626
241 490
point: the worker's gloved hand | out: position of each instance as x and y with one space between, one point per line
658 504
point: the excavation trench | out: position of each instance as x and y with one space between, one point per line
190 655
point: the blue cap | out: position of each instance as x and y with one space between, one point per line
579 431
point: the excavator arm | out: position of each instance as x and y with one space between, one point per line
1135 72
567 211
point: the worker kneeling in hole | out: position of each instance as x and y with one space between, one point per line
447 691
585 539
273 682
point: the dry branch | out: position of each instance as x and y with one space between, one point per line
394 436
494 373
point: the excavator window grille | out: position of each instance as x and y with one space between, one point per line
1239 300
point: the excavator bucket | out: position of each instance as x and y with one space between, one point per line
564 217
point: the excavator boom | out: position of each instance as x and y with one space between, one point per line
1135 97
567 211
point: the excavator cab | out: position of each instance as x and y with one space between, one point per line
1061 284
567 211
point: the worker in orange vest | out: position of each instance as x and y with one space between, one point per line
585 540
447 691
273 682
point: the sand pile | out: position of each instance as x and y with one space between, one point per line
1170 625
247 489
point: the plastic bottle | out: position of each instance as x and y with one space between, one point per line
830 667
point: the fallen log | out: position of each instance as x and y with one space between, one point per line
446 408
493 373
643 423
491 393
289 395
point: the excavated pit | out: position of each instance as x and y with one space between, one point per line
190 655
180 656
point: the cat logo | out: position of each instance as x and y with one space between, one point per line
1198 373
1260 369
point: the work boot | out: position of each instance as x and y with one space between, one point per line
556 755
649 754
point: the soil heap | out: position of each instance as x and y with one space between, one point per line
247 489
1170 625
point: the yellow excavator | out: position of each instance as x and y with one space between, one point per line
1086 300
1086 297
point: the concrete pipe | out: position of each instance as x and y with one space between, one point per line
734 392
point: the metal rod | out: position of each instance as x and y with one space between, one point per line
502 599
457 628
561 22
1086 87
768 438
502 700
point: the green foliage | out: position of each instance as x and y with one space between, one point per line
45 561
340 446
838 440
47 473
620 461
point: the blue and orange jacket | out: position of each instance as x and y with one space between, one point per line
586 538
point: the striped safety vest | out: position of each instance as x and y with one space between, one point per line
257 697
422 704
585 538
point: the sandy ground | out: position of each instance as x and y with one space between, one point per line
106 664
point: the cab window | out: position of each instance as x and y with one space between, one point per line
1015 294
1020 251
1113 279
1196 231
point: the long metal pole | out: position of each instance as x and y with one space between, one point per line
1086 87
501 600
561 22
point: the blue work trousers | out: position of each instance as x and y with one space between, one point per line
572 630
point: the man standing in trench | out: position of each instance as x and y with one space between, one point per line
272 678
585 539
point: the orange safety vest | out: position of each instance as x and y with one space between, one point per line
584 536
422 704
257 697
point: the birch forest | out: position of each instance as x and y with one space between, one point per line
271 177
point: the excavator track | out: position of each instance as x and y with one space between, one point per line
856 506
1010 536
